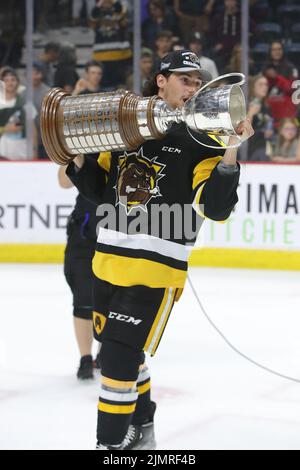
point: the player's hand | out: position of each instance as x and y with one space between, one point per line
244 131
79 161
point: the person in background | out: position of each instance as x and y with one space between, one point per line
280 74
193 16
91 83
66 75
163 45
112 46
146 69
81 11
225 33
13 144
49 60
39 91
39 86
178 46
277 60
260 117
195 44
81 240
159 20
286 148
235 61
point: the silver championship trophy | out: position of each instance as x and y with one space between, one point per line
121 120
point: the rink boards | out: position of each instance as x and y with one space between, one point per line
262 232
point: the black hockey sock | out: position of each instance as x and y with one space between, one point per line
143 411
118 394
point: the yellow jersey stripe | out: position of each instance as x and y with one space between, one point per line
116 409
160 322
165 319
111 268
219 141
203 170
196 202
197 206
104 160
112 55
157 318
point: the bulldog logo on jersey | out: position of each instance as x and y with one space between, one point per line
137 180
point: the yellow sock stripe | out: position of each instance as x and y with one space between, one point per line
116 409
117 383
144 388
158 316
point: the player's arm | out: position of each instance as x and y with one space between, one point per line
216 180
89 177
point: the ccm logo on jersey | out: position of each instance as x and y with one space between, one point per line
171 150
125 318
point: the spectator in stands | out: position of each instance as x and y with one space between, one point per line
178 46
193 16
48 60
39 86
112 47
260 117
159 20
13 145
235 61
279 62
281 75
195 44
146 69
81 11
12 28
66 76
225 33
163 45
91 83
39 91
286 147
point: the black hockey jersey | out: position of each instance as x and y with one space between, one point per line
147 224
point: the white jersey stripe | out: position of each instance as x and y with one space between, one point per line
144 242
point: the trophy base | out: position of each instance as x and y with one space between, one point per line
50 117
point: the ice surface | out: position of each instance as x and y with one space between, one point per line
208 397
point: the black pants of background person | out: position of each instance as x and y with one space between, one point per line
78 272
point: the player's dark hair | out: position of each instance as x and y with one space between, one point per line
151 88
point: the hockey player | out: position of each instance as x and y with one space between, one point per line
138 277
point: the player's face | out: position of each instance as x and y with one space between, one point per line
179 87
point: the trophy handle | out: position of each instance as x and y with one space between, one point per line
240 76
